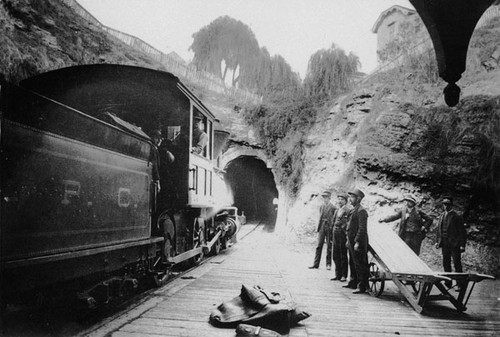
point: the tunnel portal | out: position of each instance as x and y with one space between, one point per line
253 188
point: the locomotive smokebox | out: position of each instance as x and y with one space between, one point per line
220 141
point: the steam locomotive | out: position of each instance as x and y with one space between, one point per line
80 207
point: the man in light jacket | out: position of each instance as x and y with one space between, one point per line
413 224
325 224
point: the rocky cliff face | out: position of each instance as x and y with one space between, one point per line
391 140
377 139
38 36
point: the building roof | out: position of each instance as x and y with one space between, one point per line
389 11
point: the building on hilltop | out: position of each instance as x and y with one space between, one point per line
400 32
400 29
490 13
389 23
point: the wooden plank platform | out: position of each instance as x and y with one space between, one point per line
182 307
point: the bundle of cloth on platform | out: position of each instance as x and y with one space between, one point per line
259 308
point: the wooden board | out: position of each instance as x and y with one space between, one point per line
394 252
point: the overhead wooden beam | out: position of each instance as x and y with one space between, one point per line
450 24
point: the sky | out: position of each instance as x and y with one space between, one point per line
294 29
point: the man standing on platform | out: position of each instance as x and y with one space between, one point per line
451 237
413 224
324 230
357 242
339 238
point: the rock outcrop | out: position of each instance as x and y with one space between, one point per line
38 36
376 140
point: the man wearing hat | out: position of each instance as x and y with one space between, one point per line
413 223
357 243
200 138
451 237
162 158
326 210
339 238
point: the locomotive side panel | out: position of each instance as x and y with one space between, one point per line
61 195
76 169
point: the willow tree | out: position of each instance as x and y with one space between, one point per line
225 45
330 72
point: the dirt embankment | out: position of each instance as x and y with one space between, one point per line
38 36
390 141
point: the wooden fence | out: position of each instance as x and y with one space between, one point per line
181 69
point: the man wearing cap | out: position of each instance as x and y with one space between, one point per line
200 138
413 223
357 243
324 230
162 158
339 238
451 237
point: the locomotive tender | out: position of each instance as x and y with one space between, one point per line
79 207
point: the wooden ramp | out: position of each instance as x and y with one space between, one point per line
393 260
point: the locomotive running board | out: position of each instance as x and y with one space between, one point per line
208 246
186 255
205 249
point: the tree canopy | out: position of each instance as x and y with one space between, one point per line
225 44
330 72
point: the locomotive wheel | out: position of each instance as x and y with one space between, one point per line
376 279
167 225
198 240
160 279
198 258
216 248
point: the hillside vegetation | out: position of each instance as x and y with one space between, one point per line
394 135
38 36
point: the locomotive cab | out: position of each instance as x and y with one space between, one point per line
151 100
187 181
200 189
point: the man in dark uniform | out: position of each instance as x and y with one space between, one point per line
339 238
163 156
451 237
357 242
324 230
413 224
162 161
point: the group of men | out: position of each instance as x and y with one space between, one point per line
344 229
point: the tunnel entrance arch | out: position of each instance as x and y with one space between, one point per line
253 188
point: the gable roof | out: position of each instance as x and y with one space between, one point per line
387 12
